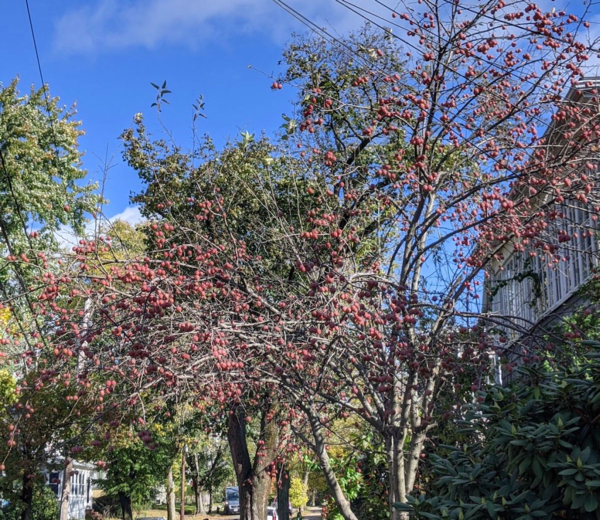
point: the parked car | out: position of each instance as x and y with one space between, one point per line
232 500
272 513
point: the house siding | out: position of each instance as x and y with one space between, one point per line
82 486
529 286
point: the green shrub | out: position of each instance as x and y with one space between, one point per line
44 506
298 493
533 451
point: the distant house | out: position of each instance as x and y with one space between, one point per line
83 480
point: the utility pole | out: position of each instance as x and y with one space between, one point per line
182 490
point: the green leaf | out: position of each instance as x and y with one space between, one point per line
491 508
524 465
591 503
400 506
569 471
585 454
578 501
538 470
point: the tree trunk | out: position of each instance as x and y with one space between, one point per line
254 482
305 482
210 493
182 488
171 511
197 495
198 506
66 489
319 448
125 501
27 498
254 497
283 495
397 481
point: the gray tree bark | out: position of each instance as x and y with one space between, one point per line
319 448
182 488
66 489
197 491
253 480
171 511
126 507
27 497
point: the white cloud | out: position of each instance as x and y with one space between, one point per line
67 238
131 215
106 25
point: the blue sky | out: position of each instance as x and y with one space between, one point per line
103 55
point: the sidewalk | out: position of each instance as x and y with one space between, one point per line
311 513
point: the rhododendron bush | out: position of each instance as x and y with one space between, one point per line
338 271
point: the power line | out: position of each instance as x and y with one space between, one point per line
531 86
35 47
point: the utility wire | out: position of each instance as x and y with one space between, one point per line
35 47
19 209
370 17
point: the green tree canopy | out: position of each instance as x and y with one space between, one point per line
40 170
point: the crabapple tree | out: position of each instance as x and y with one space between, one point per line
494 124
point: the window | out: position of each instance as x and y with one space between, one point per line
528 284
54 481
77 484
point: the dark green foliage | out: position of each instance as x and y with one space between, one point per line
248 191
532 451
135 471
209 467
44 505
362 473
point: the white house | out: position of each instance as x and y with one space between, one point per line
83 479
527 287
528 291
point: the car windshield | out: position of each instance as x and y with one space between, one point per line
232 495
